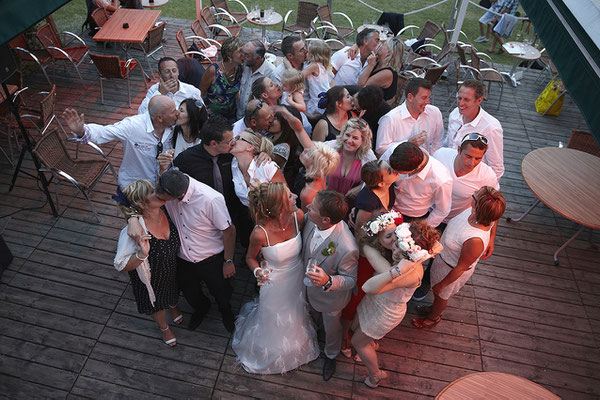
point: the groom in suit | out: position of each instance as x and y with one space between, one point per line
327 240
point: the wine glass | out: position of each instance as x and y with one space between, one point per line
309 268
264 265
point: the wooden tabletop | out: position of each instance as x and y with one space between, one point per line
155 3
140 22
270 18
567 181
493 385
521 51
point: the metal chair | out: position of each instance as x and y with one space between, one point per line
186 49
325 17
219 30
400 86
224 6
154 43
306 13
83 174
199 30
429 31
25 54
51 41
111 67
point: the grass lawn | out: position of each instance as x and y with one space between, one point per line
71 16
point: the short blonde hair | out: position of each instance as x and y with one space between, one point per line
294 79
137 194
489 205
324 161
267 201
356 124
229 47
396 55
319 52
261 143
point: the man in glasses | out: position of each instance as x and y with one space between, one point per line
415 120
470 117
255 66
142 136
258 116
424 188
207 243
170 85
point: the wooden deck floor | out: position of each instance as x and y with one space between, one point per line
69 326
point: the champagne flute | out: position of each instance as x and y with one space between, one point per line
264 265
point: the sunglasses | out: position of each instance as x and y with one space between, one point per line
244 140
474 137
258 107
159 148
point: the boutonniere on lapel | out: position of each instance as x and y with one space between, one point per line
329 250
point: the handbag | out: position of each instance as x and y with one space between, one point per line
550 101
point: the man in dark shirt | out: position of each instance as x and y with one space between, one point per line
199 161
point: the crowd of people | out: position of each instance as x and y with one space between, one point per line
337 203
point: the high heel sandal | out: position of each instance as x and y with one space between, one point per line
170 342
373 383
425 322
178 320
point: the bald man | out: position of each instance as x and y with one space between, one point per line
142 136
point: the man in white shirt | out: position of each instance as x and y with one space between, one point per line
294 49
415 120
143 137
469 117
207 243
347 70
255 66
258 116
170 85
424 189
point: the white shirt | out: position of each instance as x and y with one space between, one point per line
182 145
319 236
464 186
258 175
238 127
248 77
399 126
483 124
431 187
185 91
201 217
348 71
136 134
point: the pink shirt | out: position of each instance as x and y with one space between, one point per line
201 217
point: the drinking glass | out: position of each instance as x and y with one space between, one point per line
264 265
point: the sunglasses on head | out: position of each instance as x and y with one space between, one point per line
258 107
474 137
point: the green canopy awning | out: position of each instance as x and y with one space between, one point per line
16 16
570 30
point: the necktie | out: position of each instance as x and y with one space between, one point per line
217 179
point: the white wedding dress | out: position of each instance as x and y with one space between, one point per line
274 333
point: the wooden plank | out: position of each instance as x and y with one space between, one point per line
36 373
39 354
18 388
91 388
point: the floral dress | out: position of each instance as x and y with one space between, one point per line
220 98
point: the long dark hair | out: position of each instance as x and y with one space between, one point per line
289 136
198 116
332 96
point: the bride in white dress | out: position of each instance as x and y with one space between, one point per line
273 332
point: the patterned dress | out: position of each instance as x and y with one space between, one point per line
220 98
163 274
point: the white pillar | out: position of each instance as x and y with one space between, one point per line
462 10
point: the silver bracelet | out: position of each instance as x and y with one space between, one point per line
397 270
256 270
141 259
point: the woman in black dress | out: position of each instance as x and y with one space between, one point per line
151 262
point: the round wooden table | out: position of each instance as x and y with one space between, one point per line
520 51
568 182
153 4
270 18
494 385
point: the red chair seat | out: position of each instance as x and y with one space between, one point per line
124 68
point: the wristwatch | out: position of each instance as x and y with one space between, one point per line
327 284
229 261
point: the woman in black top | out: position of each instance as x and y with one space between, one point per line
383 67
338 104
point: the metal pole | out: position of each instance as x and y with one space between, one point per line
462 11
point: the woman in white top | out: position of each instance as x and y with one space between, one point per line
247 173
465 239
192 116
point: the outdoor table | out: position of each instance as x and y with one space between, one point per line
140 22
270 18
384 31
520 51
494 385
153 4
568 182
